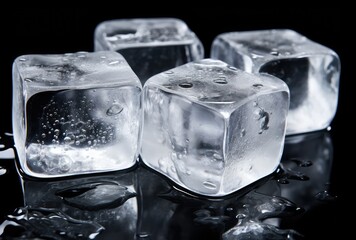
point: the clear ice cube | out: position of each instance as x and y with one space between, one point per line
75 113
211 128
150 46
310 70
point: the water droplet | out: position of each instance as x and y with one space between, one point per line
275 53
283 181
328 128
103 57
257 85
114 110
186 85
43 135
161 163
173 169
96 195
243 132
221 80
301 163
325 196
114 62
168 72
22 59
77 143
2 171
143 236
209 185
187 140
28 80
231 68
217 157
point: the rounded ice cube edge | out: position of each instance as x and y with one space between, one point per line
93 74
261 87
176 186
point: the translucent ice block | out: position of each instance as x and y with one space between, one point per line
150 46
211 128
310 70
75 113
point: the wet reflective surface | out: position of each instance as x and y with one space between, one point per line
141 204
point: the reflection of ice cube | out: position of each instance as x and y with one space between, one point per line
309 155
310 70
108 200
165 211
75 113
150 46
211 128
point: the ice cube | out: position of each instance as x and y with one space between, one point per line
310 70
75 113
150 46
211 128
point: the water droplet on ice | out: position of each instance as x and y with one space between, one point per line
43 135
186 85
114 110
220 80
114 62
243 133
173 169
257 85
274 53
22 59
209 185
231 68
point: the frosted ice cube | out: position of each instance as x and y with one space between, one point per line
310 70
75 113
150 46
211 128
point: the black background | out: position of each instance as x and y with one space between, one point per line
45 31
